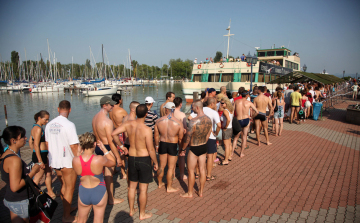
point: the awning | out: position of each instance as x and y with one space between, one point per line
298 76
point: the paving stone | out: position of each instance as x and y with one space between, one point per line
340 216
212 222
274 217
341 210
281 221
301 220
349 221
233 220
320 218
304 214
313 213
350 209
254 219
349 215
223 221
176 220
264 218
332 211
243 220
323 212
310 219
294 216
165 221
330 218
284 216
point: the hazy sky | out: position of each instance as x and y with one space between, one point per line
326 34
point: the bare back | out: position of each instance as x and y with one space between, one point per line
140 138
170 129
198 131
261 102
125 119
102 127
117 115
181 117
242 107
96 167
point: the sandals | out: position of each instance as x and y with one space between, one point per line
196 176
210 178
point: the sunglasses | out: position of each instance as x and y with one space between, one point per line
222 103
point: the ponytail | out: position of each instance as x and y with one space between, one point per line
40 114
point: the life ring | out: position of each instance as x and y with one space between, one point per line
221 65
248 64
199 66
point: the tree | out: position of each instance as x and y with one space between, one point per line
218 56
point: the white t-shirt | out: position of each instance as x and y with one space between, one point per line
224 120
60 133
214 117
313 94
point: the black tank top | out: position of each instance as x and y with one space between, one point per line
21 194
42 138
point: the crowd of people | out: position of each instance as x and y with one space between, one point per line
134 139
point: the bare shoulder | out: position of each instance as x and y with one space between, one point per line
160 120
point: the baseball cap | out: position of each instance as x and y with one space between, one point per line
244 93
106 100
169 105
211 90
149 100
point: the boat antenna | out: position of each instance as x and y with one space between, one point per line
228 35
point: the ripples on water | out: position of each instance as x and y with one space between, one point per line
21 107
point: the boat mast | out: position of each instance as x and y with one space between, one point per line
49 57
228 35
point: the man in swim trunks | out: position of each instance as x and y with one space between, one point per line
141 153
197 136
262 102
168 133
170 96
182 118
242 107
63 145
103 127
116 115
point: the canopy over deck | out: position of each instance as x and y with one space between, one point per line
298 76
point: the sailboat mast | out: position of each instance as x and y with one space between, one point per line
228 35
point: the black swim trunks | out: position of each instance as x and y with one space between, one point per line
98 151
168 148
244 122
211 146
199 150
139 169
261 116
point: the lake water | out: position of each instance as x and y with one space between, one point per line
21 107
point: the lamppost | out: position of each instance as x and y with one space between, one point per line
252 60
356 77
343 74
304 68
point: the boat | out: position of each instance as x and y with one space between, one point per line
100 91
235 73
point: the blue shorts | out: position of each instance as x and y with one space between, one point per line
211 146
98 151
20 208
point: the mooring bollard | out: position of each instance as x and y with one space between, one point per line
195 95
6 121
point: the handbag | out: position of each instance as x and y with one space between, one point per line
41 205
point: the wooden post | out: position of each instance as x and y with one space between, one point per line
6 121
195 95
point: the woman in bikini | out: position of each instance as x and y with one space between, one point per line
40 150
279 102
89 167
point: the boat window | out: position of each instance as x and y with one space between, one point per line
270 53
211 78
246 77
197 78
261 78
261 54
267 78
280 53
227 77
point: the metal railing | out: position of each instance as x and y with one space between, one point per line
336 98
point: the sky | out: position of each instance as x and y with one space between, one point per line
324 33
